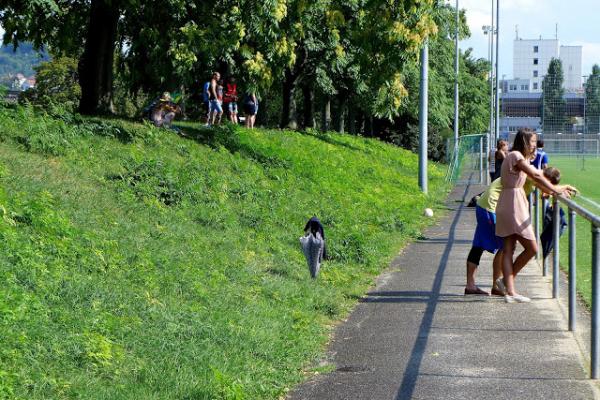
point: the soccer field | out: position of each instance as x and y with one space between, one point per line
583 173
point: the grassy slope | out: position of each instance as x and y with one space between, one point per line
587 181
157 266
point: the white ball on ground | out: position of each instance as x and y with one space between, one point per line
428 212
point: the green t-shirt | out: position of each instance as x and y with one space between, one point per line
489 198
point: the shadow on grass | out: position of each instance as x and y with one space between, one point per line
227 137
327 138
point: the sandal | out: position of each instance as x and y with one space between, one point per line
476 291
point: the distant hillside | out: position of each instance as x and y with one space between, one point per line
22 60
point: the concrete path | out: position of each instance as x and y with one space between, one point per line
416 336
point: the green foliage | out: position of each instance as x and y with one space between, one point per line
57 134
57 88
592 97
473 85
111 291
554 104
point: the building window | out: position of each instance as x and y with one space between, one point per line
535 85
570 68
535 61
513 87
536 49
524 87
535 74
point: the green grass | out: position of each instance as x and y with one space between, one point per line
138 264
583 174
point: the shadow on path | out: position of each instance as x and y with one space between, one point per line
414 364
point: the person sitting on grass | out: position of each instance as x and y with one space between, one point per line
164 111
485 238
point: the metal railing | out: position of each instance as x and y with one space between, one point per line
573 210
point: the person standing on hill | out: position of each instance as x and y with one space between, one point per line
230 100
215 108
250 109
206 100
513 221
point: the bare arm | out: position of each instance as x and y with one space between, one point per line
213 87
538 178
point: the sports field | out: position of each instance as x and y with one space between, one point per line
584 173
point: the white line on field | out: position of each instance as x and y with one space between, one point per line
589 201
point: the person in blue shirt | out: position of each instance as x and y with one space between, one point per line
541 158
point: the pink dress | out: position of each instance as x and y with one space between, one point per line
512 210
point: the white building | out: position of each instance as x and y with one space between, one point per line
571 57
531 59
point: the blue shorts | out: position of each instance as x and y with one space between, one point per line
232 107
215 106
485 233
250 108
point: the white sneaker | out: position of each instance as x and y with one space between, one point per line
517 298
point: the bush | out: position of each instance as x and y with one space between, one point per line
57 87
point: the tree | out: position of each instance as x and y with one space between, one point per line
60 25
592 98
554 104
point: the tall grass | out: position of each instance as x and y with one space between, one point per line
140 264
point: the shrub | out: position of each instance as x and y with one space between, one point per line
57 87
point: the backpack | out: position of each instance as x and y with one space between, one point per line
205 96
147 111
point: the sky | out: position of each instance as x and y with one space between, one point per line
577 21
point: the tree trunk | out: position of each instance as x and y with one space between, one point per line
288 111
351 119
96 64
340 115
309 101
326 120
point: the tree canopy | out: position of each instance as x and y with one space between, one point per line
355 59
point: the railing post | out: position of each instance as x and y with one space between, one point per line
530 199
572 270
544 259
556 255
595 299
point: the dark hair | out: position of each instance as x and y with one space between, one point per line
553 175
521 143
499 143
540 143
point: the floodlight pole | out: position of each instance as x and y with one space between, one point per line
456 100
423 117
497 135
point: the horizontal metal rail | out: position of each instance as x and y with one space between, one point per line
575 209
585 213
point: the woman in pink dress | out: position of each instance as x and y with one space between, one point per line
513 222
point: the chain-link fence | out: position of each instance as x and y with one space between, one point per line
468 163
567 121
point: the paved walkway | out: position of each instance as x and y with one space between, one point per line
415 336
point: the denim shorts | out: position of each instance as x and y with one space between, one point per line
215 106
232 107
